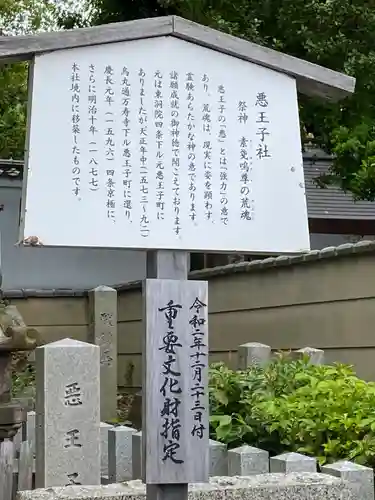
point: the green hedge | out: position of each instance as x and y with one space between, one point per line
322 411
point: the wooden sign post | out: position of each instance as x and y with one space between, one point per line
175 435
169 137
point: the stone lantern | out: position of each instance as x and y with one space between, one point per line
15 336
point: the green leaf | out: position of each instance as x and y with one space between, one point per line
221 396
221 419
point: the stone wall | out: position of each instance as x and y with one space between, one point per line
324 299
280 486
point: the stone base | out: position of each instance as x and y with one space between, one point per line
263 487
27 403
11 417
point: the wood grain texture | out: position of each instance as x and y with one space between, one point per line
311 78
16 48
6 470
193 450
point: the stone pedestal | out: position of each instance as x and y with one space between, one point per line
315 356
67 431
253 354
11 417
11 413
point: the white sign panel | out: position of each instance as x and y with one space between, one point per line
163 144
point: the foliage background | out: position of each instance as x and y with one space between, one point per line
18 17
22 17
338 34
322 411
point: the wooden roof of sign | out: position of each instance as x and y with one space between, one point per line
311 79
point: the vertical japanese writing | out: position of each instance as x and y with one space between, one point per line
76 129
159 137
246 204
198 325
72 395
72 439
205 81
171 387
106 357
191 145
143 132
126 145
262 122
174 102
207 151
93 131
73 479
72 398
110 141
107 318
222 136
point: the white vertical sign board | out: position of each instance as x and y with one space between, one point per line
161 143
175 382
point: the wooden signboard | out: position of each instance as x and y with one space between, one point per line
175 380
156 146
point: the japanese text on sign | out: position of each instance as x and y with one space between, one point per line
176 382
161 148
